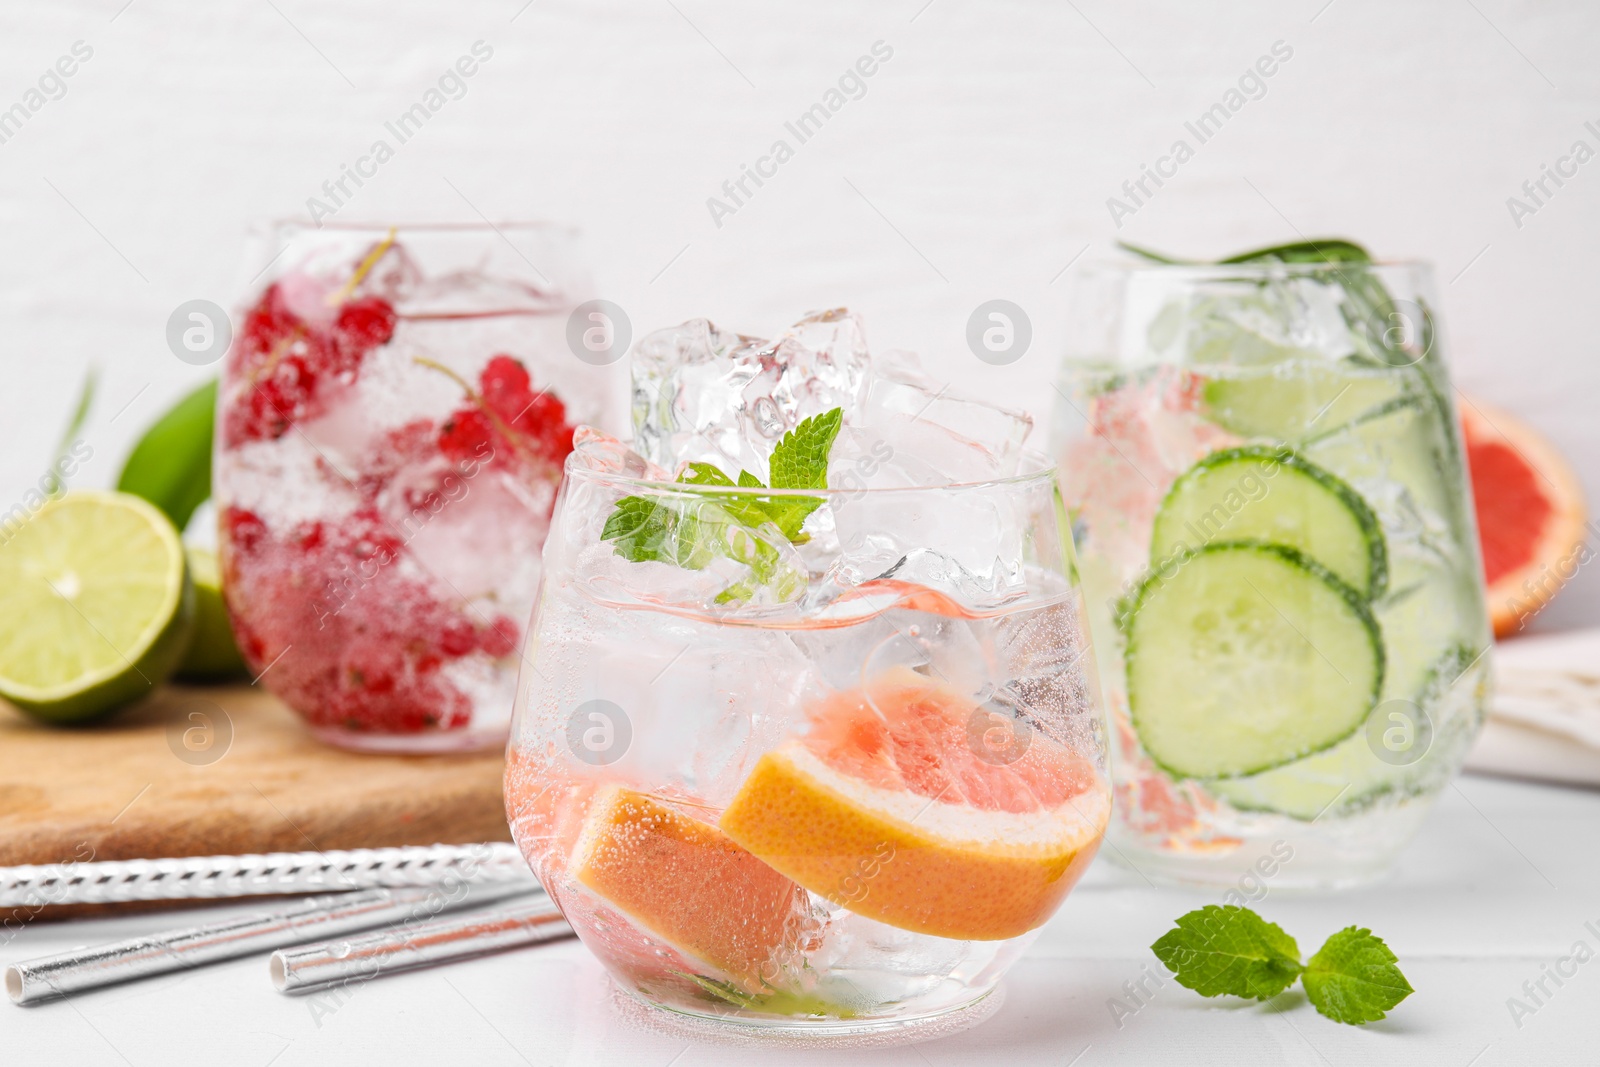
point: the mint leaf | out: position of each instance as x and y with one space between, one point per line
705 474
801 462
801 459
1222 949
747 510
692 533
640 527
1353 978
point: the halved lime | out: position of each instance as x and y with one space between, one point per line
213 654
95 606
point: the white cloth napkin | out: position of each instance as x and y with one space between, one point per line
1544 718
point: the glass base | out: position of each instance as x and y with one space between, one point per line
1276 852
432 742
740 1030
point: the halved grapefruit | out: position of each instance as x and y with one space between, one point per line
683 882
899 806
1530 514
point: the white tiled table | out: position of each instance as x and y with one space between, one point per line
1501 881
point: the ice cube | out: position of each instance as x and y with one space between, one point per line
704 394
1229 321
918 434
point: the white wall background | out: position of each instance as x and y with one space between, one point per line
977 165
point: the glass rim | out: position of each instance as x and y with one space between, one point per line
1038 468
1254 268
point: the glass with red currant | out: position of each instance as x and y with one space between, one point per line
392 422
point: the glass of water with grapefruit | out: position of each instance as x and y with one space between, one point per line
808 737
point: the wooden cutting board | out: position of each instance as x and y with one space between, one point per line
137 787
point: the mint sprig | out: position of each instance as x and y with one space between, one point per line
800 462
691 535
1223 950
1353 978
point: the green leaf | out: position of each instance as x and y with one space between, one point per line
640 527
801 462
692 533
705 474
744 508
790 513
171 464
1222 949
1322 250
1353 978
801 459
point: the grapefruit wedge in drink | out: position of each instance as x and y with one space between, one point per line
886 807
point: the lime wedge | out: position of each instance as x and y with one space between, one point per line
95 605
212 654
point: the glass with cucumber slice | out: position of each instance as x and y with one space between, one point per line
1261 462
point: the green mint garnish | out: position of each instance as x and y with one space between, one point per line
1353 978
800 462
1222 950
691 536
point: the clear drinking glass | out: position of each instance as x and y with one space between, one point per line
392 420
1264 471
779 789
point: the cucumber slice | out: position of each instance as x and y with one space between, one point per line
1348 777
1299 398
1399 457
1264 493
1345 778
1404 461
1243 656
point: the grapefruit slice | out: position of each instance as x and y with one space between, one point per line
1530 514
900 805
683 882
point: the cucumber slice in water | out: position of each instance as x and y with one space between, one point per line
1263 493
1297 399
1243 656
1404 461
1349 776
1402 458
